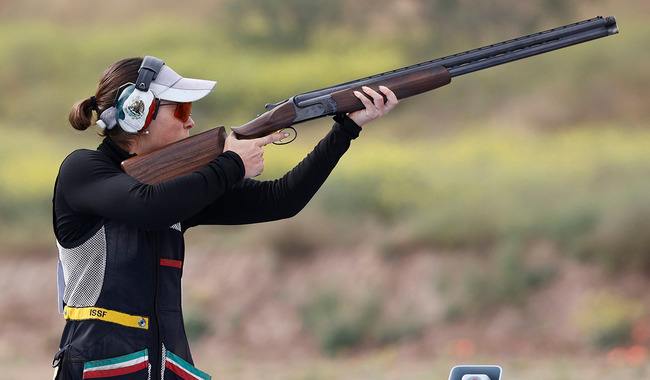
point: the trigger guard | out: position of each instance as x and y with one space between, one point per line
292 136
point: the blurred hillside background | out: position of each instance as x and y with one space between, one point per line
502 219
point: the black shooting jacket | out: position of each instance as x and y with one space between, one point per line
121 250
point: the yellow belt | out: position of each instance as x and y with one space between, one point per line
85 313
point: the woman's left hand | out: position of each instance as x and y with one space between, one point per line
376 107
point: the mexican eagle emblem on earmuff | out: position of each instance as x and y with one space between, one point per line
135 109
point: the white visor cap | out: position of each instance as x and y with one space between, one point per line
168 85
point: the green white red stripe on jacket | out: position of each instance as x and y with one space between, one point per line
121 365
184 369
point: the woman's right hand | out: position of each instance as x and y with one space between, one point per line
250 150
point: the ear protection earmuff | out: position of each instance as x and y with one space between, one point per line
136 104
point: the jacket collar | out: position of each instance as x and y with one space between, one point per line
113 151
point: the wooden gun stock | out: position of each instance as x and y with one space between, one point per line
180 158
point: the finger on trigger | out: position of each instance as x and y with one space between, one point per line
276 136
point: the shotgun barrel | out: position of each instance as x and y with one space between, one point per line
491 55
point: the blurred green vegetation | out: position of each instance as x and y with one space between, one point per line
341 321
608 319
583 188
553 147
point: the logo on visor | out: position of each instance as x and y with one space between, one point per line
135 109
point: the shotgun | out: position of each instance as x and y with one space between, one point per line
188 155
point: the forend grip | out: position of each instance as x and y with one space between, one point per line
403 85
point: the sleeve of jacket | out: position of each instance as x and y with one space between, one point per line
252 201
93 185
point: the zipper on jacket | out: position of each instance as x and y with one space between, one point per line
160 371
